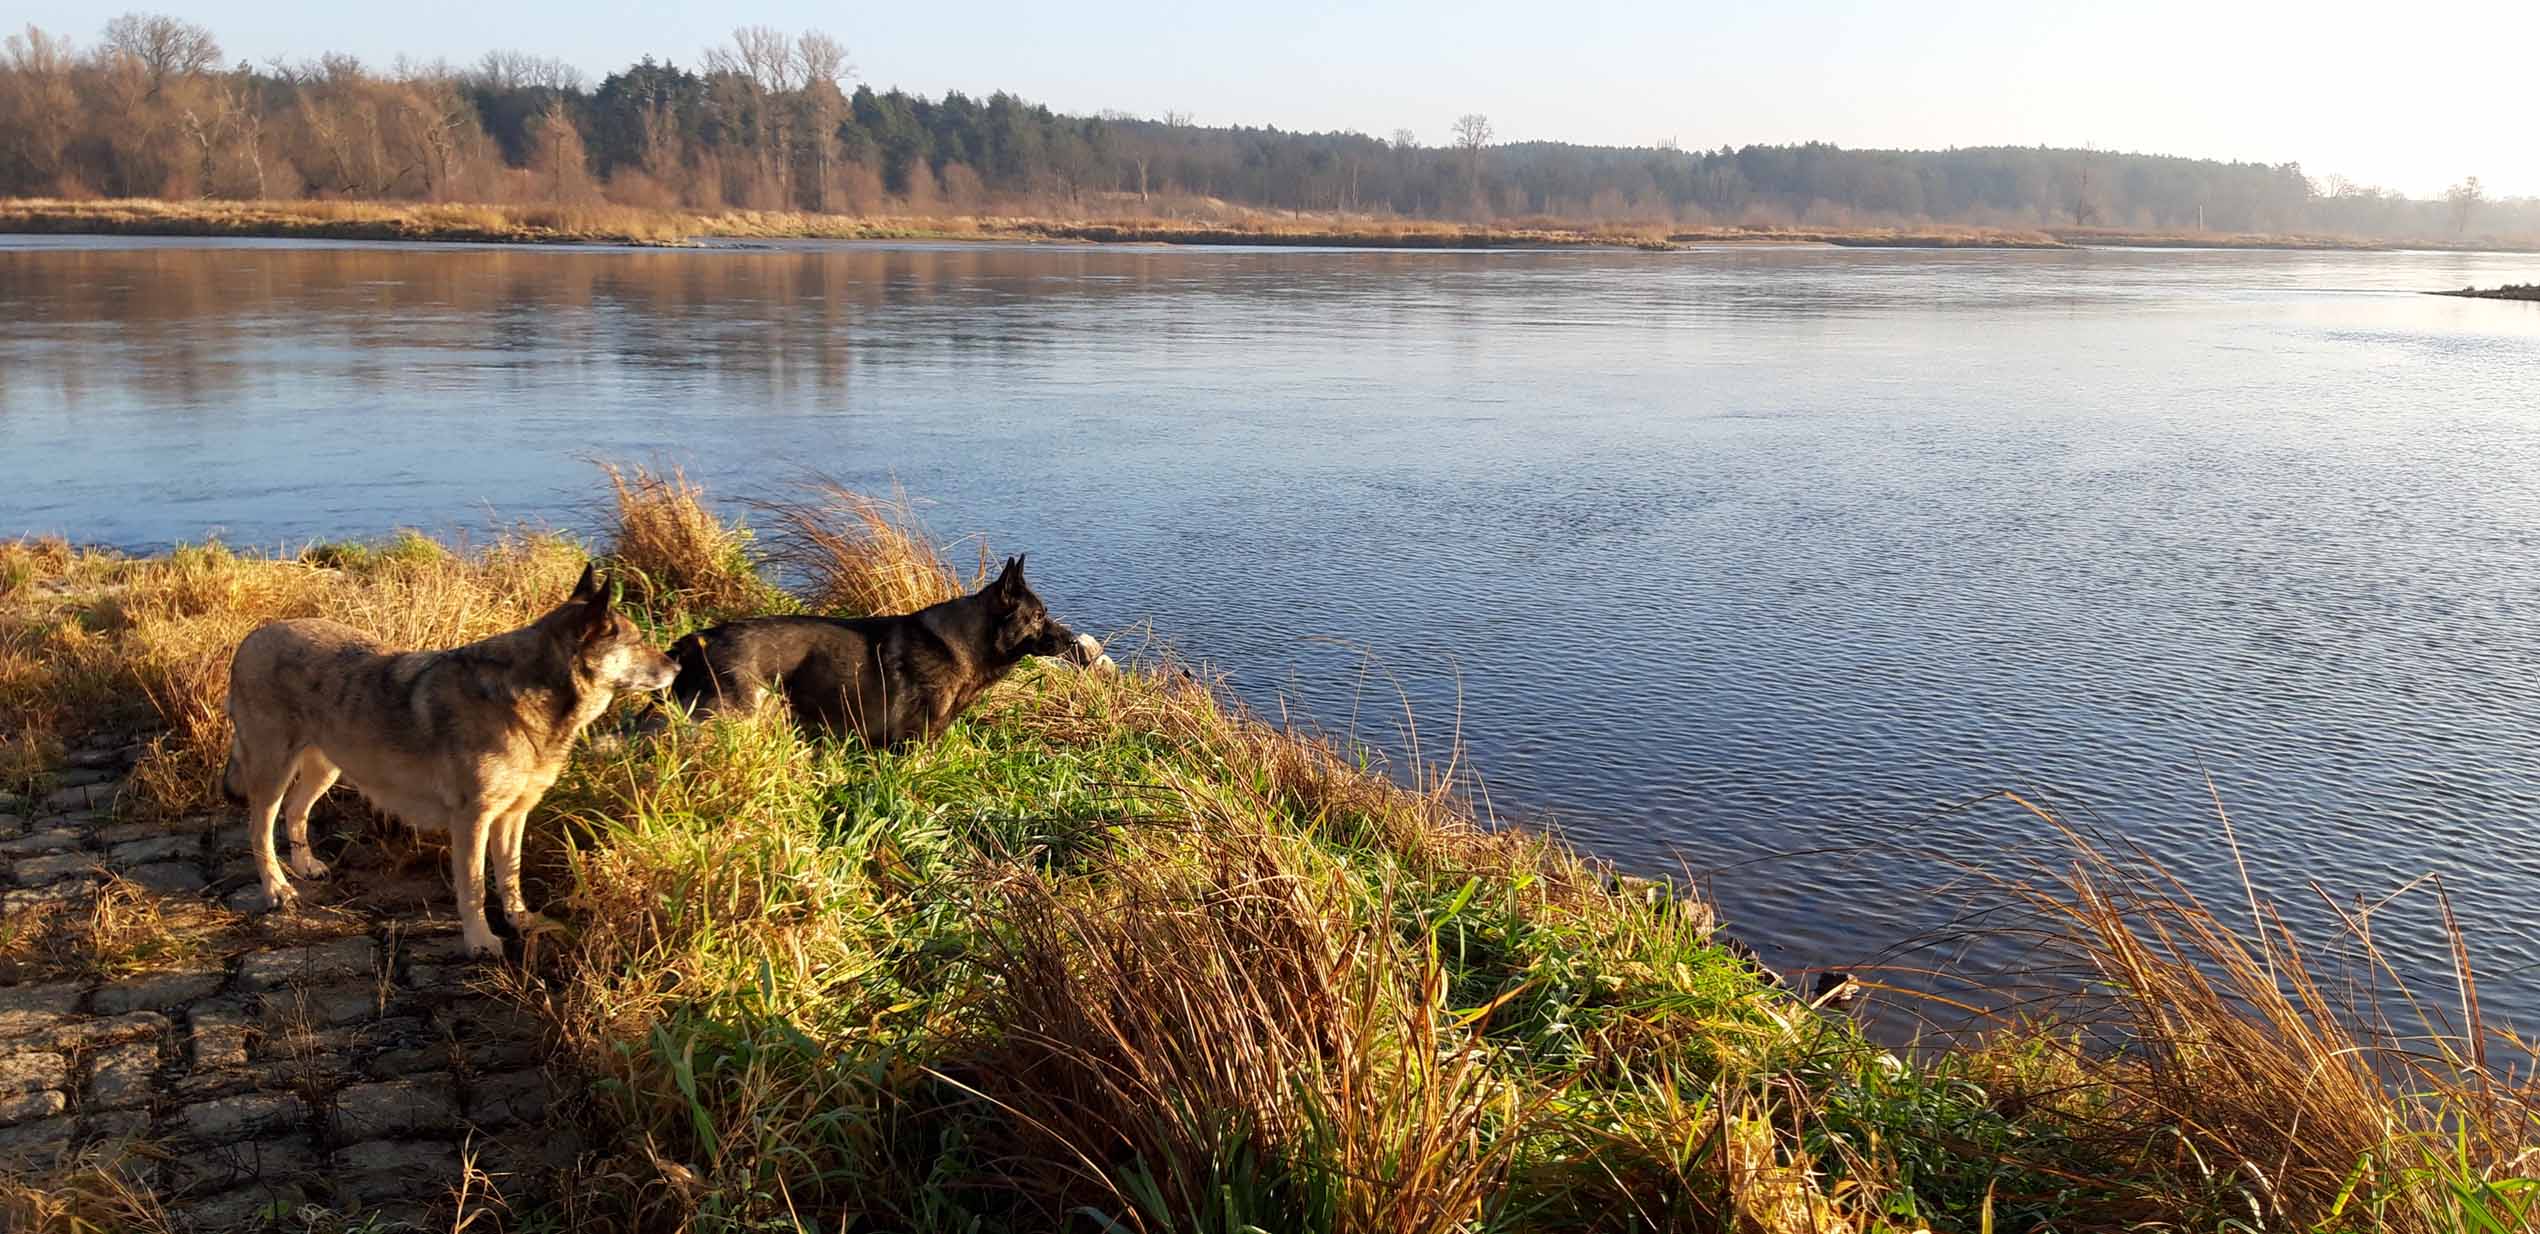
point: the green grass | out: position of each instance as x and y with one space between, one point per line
860 976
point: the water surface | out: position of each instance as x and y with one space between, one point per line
1708 558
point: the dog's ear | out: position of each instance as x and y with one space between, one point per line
588 588
1009 587
599 612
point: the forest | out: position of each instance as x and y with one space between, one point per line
773 120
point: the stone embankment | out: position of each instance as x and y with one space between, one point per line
247 1067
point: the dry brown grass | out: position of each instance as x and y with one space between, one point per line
124 929
1336 231
675 555
859 555
553 224
1184 999
2119 237
346 220
2354 1105
104 1192
598 223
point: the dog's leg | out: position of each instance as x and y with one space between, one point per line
476 822
507 842
263 789
315 775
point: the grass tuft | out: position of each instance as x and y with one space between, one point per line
858 554
675 555
105 1189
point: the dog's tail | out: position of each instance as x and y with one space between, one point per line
229 772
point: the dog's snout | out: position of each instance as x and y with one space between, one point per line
665 671
654 671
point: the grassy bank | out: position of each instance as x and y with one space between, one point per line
2509 291
608 224
1116 955
603 224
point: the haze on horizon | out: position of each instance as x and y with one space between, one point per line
2413 104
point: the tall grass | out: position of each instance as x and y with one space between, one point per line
857 553
95 1194
2306 1102
1117 954
678 558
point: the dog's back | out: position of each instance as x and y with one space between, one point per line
308 683
887 679
733 663
404 726
823 666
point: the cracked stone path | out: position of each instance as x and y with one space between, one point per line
335 1056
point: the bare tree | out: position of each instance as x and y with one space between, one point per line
558 156
819 58
37 52
42 107
245 116
1138 156
764 61
1472 132
2086 199
761 55
519 70
164 46
816 110
340 68
1177 119
2465 198
1405 139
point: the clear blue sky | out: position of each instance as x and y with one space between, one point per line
2412 96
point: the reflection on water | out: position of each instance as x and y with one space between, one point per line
1707 557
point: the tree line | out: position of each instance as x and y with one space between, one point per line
774 120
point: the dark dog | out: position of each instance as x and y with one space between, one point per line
889 680
462 741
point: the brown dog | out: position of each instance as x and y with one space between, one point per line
462 741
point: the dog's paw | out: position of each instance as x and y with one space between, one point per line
526 924
486 947
281 897
306 865
529 922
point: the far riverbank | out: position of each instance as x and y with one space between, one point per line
626 225
2509 291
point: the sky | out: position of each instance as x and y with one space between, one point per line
2412 98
